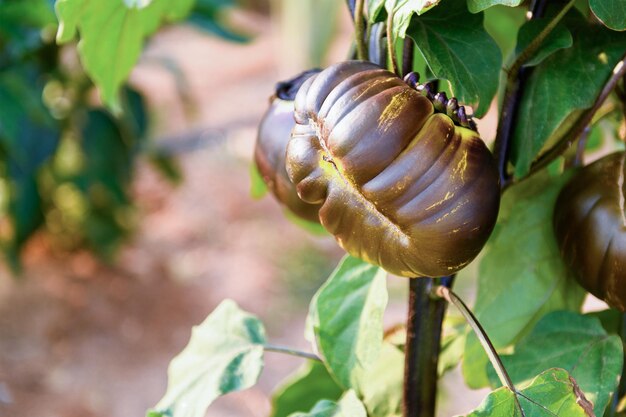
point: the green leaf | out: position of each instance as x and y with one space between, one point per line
476 6
206 15
28 138
521 274
105 181
503 23
346 316
403 11
348 406
551 394
374 9
224 354
575 343
559 38
452 343
610 319
31 13
564 84
311 227
610 12
380 386
112 34
301 392
457 48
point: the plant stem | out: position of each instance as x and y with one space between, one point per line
359 30
583 122
510 105
532 47
448 295
391 50
407 56
292 352
423 342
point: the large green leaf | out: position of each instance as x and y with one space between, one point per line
566 82
575 343
610 12
346 317
224 354
348 406
380 386
559 38
303 390
112 34
521 274
476 6
551 394
457 48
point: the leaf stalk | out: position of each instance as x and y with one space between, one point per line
292 352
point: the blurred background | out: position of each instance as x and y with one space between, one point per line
116 249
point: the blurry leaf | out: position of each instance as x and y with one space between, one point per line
521 275
380 386
28 138
475 363
168 166
457 48
452 345
610 12
577 74
224 354
594 141
572 342
551 394
135 113
476 6
403 11
311 227
559 38
112 34
348 406
302 391
610 319
207 15
108 158
30 13
346 316
503 23
105 180
258 188
214 27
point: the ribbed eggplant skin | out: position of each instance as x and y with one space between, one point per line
590 227
401 186
269 155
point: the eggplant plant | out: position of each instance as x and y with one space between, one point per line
385 151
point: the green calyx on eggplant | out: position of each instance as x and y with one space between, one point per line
269 154
399 183
590 228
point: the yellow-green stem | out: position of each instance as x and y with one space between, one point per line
359 30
